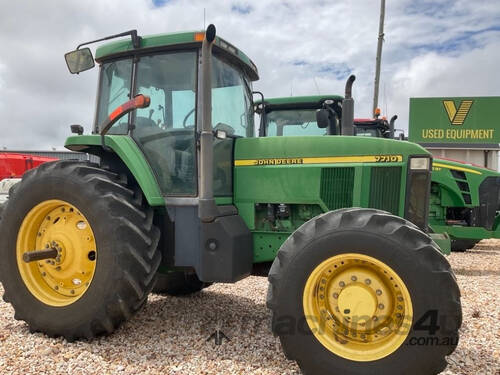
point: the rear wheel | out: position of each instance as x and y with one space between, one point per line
104 243
178 283
354 292
462 245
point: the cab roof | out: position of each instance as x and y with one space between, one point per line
165 41
294 102
301 99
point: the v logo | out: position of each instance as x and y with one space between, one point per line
457 117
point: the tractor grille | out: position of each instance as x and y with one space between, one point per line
337 186
385 187
463 185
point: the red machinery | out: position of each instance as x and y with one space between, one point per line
14 165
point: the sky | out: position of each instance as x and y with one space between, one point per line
301 47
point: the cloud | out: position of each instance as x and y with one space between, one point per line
241 9
300 47
160 3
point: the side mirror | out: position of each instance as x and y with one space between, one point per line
76 129
79 60
323 118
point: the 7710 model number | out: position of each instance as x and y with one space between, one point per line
388 158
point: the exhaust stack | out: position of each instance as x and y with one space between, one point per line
207 210
391 126
348 108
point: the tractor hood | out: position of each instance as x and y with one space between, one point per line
456 165
316 149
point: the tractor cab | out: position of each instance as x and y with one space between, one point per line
377 127
167 69
297 115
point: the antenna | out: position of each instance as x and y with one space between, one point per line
204 18
316 84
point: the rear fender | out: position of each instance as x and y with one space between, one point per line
131 156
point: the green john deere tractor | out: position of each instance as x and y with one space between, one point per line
465 199
183 189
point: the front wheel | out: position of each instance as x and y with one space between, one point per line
360 291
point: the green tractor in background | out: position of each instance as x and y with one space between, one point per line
185 191
465 198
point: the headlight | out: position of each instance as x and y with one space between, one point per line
419 163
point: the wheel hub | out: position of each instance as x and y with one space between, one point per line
358 301
56 224
357 307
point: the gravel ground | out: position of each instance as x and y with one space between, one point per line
169 335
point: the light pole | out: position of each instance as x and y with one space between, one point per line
379 55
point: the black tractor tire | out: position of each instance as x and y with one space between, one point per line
413 256
126 246
178 283
462 245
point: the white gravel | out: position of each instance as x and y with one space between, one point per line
169 335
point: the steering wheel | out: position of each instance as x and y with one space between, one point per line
186 118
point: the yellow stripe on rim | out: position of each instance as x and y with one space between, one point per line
57 224
357 307
320 160
434 164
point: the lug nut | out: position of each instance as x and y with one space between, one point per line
379 292
335 295
342 284
354 278
381 306
368 281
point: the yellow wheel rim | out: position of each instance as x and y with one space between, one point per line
357 307
59 225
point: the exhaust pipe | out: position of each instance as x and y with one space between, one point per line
348 108
207 210
391 126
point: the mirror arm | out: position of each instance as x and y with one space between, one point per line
136 40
